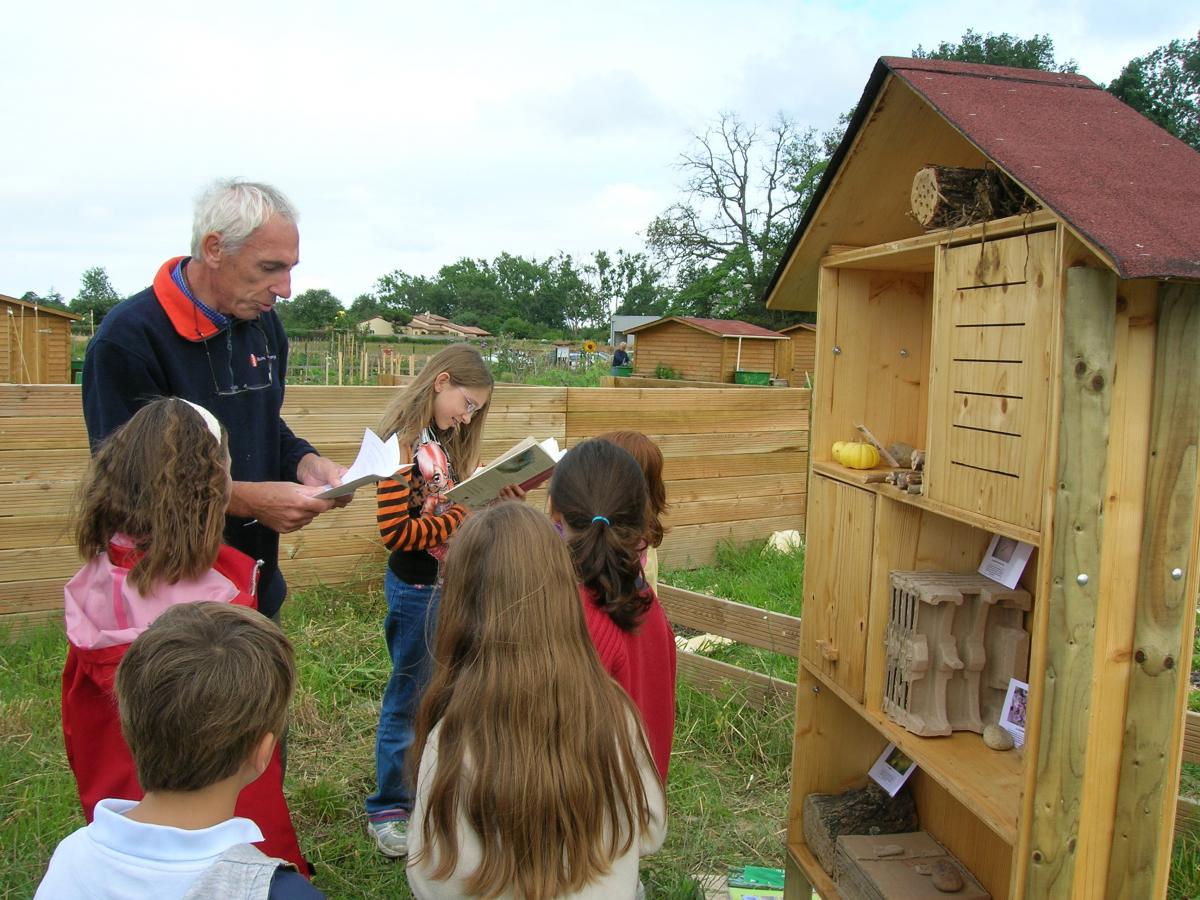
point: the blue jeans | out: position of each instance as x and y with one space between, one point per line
409 629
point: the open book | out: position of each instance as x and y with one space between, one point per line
527 464
376 460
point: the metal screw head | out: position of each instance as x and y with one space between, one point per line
1176 574
903 353
837 351
1081 579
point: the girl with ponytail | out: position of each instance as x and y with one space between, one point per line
598 500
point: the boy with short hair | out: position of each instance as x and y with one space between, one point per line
203 694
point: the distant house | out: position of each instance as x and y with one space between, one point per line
706 349
620 326
430 324
378 326
35 343
804 353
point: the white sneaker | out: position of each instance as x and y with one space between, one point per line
391 837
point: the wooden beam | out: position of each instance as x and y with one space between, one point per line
1064 684
1165 616
1191 738
718 679
760 628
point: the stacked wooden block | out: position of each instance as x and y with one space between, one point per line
953 643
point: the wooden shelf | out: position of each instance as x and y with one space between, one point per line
987 782
915 254
987 523
817 877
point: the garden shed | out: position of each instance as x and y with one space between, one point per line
706 349
35 343
799 370
1046 362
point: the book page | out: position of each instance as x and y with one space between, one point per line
527 464
376 460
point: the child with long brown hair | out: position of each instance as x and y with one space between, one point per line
649 457
150 520
534 779
439 421
598 498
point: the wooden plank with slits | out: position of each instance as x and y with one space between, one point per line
1005 340
999 414
991 370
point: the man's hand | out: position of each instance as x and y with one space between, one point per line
282 506
318 471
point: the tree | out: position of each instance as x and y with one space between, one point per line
311 310
364 307
627 285
1164 86
96 295
54 299
1002 49
744 195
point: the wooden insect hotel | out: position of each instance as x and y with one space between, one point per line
1039 343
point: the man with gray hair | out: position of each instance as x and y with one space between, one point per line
206 331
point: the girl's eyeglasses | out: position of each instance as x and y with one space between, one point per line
256 363
472 406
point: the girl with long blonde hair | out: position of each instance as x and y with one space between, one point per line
149 528
439 421
535 780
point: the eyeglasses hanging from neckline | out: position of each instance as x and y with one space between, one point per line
255 363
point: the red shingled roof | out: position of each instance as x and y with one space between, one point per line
1118 179
719 327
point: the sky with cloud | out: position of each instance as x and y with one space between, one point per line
410 135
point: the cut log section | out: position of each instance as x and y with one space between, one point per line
951 197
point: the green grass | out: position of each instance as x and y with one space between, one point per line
561 376
727 792
767 579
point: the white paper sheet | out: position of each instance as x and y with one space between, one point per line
376 459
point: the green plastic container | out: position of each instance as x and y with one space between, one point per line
622 371
741 377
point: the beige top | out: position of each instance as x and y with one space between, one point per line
650 568
620 882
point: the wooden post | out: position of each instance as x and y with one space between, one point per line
412 364
339 368
1064 682
1165 615
327 370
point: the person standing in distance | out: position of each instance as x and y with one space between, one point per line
206 331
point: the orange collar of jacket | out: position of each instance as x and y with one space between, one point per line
189 322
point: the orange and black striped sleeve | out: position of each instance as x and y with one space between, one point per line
401 530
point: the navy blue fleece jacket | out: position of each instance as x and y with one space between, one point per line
156 344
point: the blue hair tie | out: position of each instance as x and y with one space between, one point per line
596 519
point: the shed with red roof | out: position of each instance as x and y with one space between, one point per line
699 349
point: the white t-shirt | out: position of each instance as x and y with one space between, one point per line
116 858
621 882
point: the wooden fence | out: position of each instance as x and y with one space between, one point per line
781 634
736 469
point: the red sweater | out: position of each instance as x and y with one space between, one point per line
643 662
98 754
